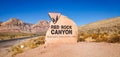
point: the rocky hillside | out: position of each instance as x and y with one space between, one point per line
104 30
105 26
16 25
40 27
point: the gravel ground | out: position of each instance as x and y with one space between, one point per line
81 49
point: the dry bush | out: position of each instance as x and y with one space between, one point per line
11 35
114 39
26 45
94 36
16 50
86 35
80 39
100 37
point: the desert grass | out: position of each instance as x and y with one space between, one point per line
100 37
26 45
10 35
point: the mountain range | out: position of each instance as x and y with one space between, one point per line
111 25
16 25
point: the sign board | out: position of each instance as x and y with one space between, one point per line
61 30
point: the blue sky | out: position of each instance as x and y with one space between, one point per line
80 11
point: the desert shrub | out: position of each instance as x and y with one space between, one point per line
80 39
12 36
118 32
95 36
29 44
86 35
16 50
110 38
114 39
102 39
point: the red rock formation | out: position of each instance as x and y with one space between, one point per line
16 25
40 27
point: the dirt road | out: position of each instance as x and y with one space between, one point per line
81 49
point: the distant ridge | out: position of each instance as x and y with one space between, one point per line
16 25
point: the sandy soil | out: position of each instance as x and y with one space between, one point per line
82 49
